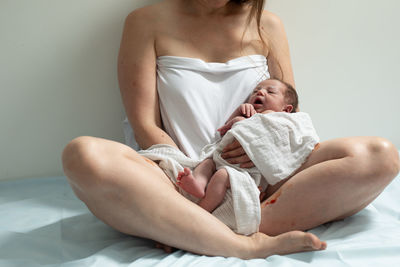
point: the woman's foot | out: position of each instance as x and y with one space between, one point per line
287 243
187 182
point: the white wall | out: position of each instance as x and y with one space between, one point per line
58 79
58 72
346 59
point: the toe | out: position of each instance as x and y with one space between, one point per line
313 242
187 171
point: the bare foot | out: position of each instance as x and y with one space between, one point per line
187 182
287 243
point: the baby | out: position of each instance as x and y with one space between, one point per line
209 184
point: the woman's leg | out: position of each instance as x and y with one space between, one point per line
131 194
339 178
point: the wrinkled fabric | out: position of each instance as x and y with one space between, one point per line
278 144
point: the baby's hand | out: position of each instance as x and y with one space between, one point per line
247 110
222 131
229 124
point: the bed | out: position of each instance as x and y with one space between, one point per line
42 223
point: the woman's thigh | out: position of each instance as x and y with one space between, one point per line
91 155
339 178
116 183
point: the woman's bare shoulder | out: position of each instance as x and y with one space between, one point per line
271 21
141 15
145 17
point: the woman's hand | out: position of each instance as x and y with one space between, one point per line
235 154
167 249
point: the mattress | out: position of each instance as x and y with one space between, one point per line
42 223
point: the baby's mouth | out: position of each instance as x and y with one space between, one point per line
258 101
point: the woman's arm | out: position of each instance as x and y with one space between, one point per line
137 80
279 63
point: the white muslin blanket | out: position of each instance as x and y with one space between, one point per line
278 144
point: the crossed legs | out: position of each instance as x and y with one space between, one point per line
134 196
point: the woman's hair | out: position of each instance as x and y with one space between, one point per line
257 7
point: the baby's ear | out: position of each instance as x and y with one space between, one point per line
288 108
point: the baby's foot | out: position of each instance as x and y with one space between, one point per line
187 182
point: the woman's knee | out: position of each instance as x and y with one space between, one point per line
378 158
384 151
81 156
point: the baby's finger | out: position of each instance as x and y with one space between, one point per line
222 130
243 109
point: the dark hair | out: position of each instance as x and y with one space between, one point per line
291 96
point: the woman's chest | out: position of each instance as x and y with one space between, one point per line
210 41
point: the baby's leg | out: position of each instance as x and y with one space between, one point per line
196 182
216 190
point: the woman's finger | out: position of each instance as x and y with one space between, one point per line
241 159
167 249
234 145
247 165
237 152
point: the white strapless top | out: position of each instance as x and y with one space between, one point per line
197 97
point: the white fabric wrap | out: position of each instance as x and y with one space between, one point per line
277 143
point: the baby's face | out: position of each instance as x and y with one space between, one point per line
268 95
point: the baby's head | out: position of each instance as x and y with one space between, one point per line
274 94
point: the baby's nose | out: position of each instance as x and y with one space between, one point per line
260 92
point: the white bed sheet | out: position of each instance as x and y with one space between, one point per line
42 223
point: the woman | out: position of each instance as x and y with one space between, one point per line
133 195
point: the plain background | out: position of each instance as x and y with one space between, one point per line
58 76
